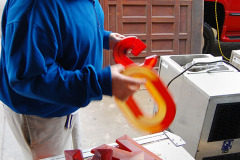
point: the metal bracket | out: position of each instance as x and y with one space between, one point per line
176 140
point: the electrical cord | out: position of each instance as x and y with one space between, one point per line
219 46
201 63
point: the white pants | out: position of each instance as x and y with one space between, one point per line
43 137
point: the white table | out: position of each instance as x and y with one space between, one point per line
166 145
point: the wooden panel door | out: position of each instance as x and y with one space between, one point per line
163 25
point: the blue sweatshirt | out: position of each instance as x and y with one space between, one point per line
52 56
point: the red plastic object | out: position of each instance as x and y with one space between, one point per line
73 154
150 61
127 143
128 149
117 153
166 106
133 44
103 154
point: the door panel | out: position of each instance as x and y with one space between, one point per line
163 25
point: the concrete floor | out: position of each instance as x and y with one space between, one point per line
101 123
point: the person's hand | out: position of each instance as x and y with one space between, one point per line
114 38
124 86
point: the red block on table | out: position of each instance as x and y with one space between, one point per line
118 154
73 154
103 154
127 143
128 149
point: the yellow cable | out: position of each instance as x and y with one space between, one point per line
218 31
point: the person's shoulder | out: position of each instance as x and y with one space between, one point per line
34 11
18 10
20 4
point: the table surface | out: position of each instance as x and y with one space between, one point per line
166 145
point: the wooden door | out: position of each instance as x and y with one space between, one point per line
163 25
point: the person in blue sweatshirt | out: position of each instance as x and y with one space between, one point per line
51 65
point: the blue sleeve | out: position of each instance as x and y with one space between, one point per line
106 39
33 71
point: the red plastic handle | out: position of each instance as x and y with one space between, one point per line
166 107
133 44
